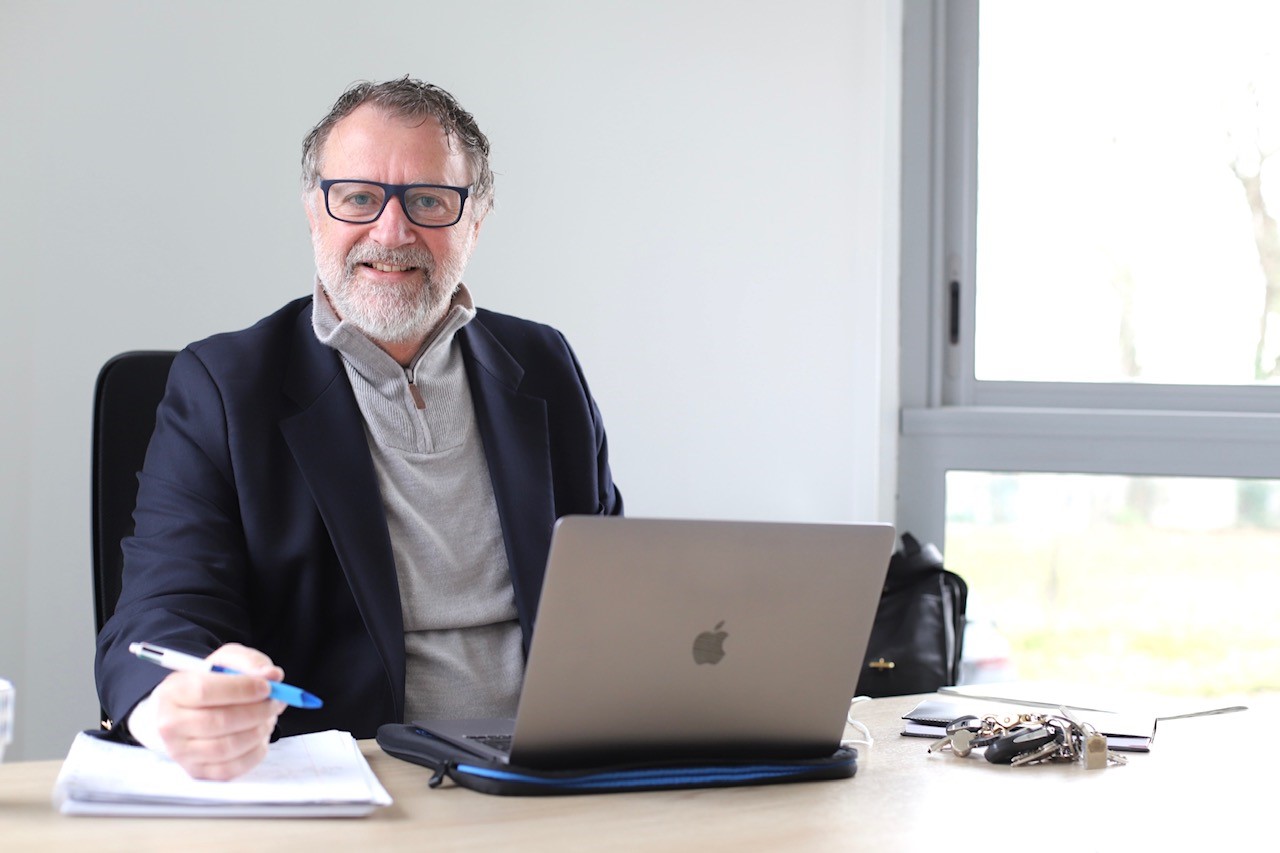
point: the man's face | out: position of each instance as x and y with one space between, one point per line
394 280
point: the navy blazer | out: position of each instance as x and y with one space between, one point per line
259 518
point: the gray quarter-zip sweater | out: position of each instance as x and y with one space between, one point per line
462 639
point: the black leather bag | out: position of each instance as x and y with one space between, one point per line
918 635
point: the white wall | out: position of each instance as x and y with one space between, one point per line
694 192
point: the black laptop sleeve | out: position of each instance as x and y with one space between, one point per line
411 743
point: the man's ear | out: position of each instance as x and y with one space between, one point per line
309 205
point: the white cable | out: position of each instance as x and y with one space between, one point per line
866 741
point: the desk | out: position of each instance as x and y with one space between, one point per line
1186 794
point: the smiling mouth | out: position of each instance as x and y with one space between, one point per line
388 267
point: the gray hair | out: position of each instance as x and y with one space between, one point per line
408 99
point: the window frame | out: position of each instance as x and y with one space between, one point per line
949 420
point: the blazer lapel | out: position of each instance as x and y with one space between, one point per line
513 428
346 491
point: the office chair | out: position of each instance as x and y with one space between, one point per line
128 390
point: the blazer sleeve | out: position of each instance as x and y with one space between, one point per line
610 498
184 576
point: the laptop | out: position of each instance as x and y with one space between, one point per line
662 639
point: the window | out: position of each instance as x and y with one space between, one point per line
1160 584
1091 307
1127 189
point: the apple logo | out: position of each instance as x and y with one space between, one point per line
708 647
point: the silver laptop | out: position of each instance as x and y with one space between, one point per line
666 639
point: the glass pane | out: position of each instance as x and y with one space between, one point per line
1155 584
1128 192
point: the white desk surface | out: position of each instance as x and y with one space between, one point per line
1202 786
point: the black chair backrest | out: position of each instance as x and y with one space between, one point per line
128 390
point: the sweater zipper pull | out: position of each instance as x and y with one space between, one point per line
414 392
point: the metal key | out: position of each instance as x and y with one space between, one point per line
962 742
941 743
1050 750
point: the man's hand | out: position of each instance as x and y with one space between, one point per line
216 726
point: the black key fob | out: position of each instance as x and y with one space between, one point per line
1009 747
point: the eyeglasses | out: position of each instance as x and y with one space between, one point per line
362 202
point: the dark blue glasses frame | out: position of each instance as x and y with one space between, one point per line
398 191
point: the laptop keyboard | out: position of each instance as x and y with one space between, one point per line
498 742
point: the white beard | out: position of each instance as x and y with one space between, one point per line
389 313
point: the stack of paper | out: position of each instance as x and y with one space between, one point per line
316 775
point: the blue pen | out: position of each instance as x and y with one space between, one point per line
178 661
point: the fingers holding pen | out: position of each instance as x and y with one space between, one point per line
217 725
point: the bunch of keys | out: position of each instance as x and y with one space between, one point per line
1028 739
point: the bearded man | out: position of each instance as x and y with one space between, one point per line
358 491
